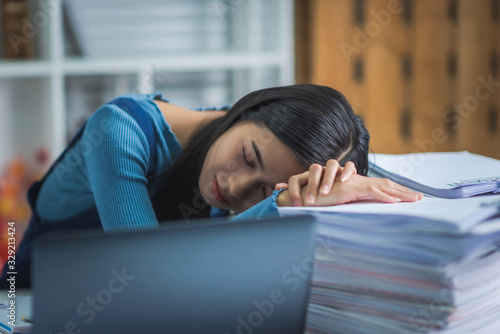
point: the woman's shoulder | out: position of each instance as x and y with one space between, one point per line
124 123
109 119
182 121
128 110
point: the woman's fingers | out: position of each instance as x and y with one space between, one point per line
319 181
378 194
331 170
399 192
295 184
313 182
280 185
359 187
349 170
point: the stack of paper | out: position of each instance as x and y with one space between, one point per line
426 267
447 175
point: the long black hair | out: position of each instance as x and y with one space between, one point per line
315 122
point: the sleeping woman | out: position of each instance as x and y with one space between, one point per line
139 161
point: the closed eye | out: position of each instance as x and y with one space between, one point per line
243 152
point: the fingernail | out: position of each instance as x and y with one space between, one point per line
310 199
398 199
343 178
324 190
296 203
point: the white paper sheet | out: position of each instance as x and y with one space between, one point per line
440 170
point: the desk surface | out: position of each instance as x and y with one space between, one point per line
24 305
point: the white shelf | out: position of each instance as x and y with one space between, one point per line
187 63
25 69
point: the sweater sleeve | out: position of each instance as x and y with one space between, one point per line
265 208
117 164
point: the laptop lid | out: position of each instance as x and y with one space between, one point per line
210 277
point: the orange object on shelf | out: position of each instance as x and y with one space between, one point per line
15 179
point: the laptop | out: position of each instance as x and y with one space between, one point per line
208 277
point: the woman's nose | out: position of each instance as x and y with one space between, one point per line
241 185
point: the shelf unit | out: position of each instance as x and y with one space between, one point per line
39 97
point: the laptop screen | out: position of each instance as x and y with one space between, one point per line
227 278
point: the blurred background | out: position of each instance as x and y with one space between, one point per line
424 74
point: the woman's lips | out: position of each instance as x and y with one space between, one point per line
217 192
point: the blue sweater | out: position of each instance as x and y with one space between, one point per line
107 167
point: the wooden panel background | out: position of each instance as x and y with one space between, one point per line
424 74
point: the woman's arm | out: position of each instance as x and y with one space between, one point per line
356 188
324 185
116 165
343 187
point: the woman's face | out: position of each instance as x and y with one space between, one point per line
243 166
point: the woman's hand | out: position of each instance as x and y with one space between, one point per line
355 188
361 187
319 180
